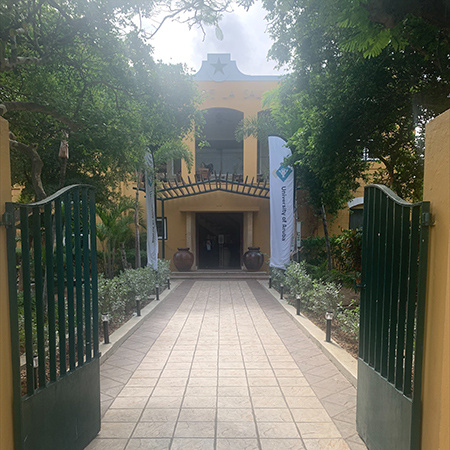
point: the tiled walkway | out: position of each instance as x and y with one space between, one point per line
220 365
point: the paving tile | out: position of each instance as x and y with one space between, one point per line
192 444
197 429
237 444
235 415
107 444
164 402
281 444
326 444
116 430
273 415
197 415
149 444
319 430
233 402
154 429
268 402
277 430
199 402
129 402
160 414
236 430
122 415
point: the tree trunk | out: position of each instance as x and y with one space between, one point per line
327 238
125 263
36 166
137 239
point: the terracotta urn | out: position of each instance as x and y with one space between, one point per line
253 259
183 259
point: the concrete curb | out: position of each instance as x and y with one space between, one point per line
127 329
345 362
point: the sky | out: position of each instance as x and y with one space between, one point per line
244 36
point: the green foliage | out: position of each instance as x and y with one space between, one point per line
117 296
346 250
337 105
316 296
348 319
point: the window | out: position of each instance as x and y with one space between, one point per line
356 218
162 231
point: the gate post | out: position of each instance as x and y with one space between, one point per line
436 368
6 386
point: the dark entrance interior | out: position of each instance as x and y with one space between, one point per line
219 240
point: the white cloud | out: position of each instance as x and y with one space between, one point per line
245 37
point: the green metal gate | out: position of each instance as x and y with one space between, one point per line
394 267
54 320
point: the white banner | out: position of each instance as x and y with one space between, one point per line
152 232
281 203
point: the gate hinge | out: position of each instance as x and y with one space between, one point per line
7 220
427 219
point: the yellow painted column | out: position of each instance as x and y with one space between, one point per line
436 376
6 389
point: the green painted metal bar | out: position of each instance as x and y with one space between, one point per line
38 292
27 309
364 251
403 292
381 248
416 420
78 276
48 226
60 287
70 280
367 269
93 242
373 299
411 300
14 325
396 251
387 287
87 274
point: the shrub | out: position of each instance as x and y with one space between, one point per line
316 295
349 319
117 296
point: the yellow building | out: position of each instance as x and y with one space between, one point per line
221 207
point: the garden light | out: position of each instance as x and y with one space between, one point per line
298 303
35 370
281 291
105 320
329 318
138 306
270 282
157 292
168 282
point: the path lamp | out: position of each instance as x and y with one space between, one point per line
157 291
105 320
35 370
281 291
270 282
298 300
138 306
168 283
329 318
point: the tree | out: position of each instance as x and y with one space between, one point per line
81 72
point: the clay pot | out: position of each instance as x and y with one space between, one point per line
183 259
253 259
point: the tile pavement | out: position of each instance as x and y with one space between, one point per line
219 365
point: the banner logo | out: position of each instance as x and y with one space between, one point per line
283 172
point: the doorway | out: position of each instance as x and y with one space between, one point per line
219 243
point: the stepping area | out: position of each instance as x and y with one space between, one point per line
221 365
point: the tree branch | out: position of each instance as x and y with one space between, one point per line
36 107
36 165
